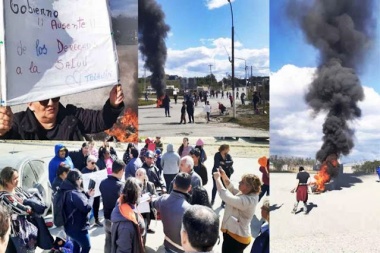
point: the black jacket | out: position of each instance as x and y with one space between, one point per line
79 160
166 101
226 164
110 189
72 123
56 184
201 170
154 176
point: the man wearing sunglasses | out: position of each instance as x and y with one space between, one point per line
50 120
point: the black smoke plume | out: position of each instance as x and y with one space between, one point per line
152 33
342 31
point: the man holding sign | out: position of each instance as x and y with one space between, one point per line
50 120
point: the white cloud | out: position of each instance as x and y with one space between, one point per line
213 4
195 61
296 131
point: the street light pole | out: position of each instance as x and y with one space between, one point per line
233 62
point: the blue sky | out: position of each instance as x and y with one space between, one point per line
294 129
201 35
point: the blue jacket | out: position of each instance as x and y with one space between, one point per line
131 168
81 203
56 161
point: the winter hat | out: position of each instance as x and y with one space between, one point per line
199 142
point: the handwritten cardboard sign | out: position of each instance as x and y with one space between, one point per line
57 47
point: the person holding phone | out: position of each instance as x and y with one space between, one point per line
76 208
240 207
224 160
90 168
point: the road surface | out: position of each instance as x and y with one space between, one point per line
344 220
152 121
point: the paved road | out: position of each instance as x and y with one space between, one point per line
343 220
152 121
244 151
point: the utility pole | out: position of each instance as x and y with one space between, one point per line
232 60
210 74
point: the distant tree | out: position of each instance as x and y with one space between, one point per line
368 167
292 162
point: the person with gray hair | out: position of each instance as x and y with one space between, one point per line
5 228
91 167
200 229
186 165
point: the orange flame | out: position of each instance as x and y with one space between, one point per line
160 102
126 127
323 176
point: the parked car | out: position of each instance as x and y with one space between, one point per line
33 173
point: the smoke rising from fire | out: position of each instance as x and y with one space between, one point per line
152 34
342 32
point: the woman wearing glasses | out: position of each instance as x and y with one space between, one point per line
50 120
240 207
76 207
90 168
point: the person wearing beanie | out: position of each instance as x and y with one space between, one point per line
158 160
199 145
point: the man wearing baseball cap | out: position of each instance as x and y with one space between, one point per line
153 172
159 144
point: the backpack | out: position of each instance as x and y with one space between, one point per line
59 217
261 243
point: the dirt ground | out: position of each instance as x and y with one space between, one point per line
247 118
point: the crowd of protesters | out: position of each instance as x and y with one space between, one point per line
192 98
169 183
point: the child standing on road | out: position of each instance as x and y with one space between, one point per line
208 110
183 113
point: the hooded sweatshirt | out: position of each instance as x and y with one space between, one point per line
56 161
81 203
170 161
